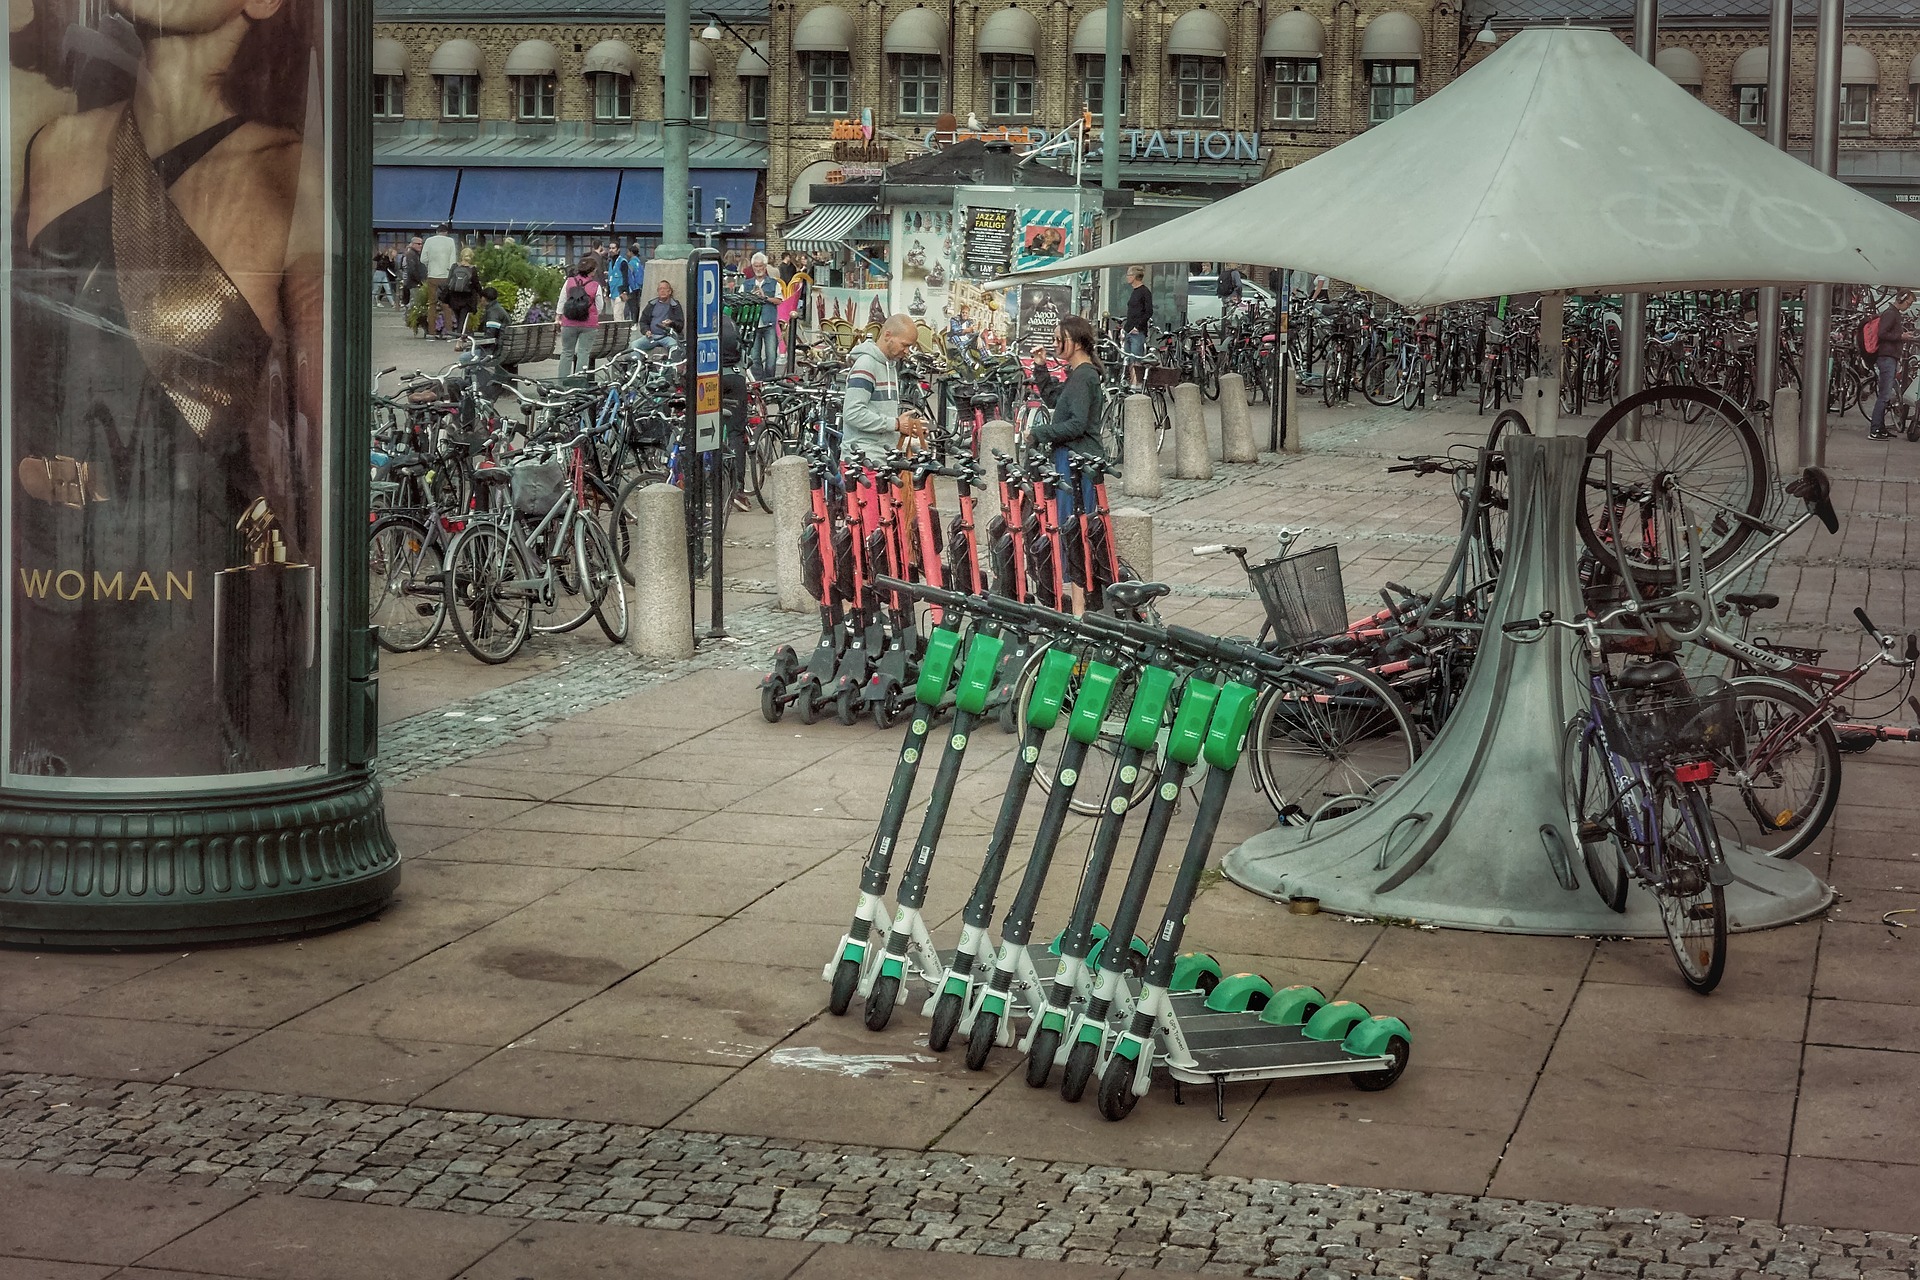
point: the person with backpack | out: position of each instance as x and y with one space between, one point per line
437 257
1074 428
617 286
1883 337
463 291
1227 285
579 315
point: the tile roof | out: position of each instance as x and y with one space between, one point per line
711 148
1692 13
557 10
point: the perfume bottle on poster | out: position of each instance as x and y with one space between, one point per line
264 642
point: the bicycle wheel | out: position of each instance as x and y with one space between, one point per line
1332 375
1591 810
406 598
1207 373
1693 910
624 521
1792 781
491 619
1088 798
1715 461
1383 382
1312 745
593 559
573 588
765 450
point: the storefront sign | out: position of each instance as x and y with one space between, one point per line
1216 146
856 173
989 242
860 130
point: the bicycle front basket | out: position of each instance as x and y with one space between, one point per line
538 486
1680 721
1303 596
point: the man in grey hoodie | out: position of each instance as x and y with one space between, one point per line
871 420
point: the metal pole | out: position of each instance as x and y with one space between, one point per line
1110 91
1817 331
673 132
1779 64
1633 306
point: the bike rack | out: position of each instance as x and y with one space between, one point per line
1491 782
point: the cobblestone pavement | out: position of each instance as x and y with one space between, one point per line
499 1166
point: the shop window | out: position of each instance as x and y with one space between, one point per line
1296 89
612 98
389 97
1010 85
1201 86
1389 89
1856 107
1093 84
1752 107
459 97
829 84
699 98
756 98
536 97
922 81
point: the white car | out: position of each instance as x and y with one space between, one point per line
1203 297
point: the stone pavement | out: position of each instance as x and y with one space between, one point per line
592 1023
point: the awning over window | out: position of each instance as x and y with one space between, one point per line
826 29
1858 66
412 198
639 205
1682 66
826 225
614 56
699 61
1090 36
1751 67
1392 37
1198 33
535 199
389 57
456 58
919 30
755 61
1294 34
1913 72
1009 31
533 58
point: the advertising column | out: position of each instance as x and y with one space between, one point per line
186 695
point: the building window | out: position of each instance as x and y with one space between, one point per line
756 98
535 96
459 97
1010 82
389 97
1093 84
1856 106
1390 89
1200 81
921 79
829 78
1753 106
612 98
1296 89
699 98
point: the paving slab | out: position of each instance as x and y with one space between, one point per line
65 1219
1629 1011
362 1068
1857 1193
1777 962
1861 1025
1859 1104
1276 1144
705 1012
523 1081
838 1260
41 1269
299 1238
1473 1021
41 982
525 848
113 1048
570 1249
1598 1168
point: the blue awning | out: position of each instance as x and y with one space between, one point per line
535 199
639 209
412 198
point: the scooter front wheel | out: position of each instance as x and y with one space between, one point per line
845 708
986 1027
946 1019
1374 1081
1046 1044
1116 1089
886 989
1080 1063
809 710
772 704
846 979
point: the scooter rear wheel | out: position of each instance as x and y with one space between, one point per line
986 1027
809 712
1080 1063
845 708
846 980
772 704
886 989
1374 1081
1046 1044
1116 1089
946 1019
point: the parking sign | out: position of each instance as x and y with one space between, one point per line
706 353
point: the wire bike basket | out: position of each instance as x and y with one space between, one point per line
1678 721
1303 596
538 487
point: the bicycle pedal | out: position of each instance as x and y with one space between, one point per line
1592 832
1700 911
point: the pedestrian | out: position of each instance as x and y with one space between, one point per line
871 419
733 408
636 279
766 287
437 257
1889 328
1139 318
579 315
1074 430
1227 285
463 291
617 287
412 273
787 268
660 323
383 278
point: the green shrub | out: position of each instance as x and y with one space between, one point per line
509 293
509 262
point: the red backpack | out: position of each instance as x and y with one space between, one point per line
1870 335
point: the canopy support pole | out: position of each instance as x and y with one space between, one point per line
1779 66
1541 393
1633 307
1816 337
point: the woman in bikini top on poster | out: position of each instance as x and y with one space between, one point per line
165 441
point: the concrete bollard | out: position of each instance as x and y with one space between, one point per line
1786 425
1140 468
792 505
1236 421
662 623
1133 539
1291 422
997 434
1192 457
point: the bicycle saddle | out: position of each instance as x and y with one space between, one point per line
1131 595
492 475
1650 675
1753 599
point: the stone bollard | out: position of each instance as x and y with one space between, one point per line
792 505
1236 421
1786 425
1133 539
1291 421
1192 457
662 623
997 434
1140 468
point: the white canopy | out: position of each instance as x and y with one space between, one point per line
533 58
389 57
1561 162
919 30
613 57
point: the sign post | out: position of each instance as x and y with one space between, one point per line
703 407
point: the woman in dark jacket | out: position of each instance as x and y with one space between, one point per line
1074 428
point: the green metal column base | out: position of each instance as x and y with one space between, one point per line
123 871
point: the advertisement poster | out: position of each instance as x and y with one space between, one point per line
989 242
925 247
1042 308
1046 235
847 308
165 337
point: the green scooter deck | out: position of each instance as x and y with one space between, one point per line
1230 1046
